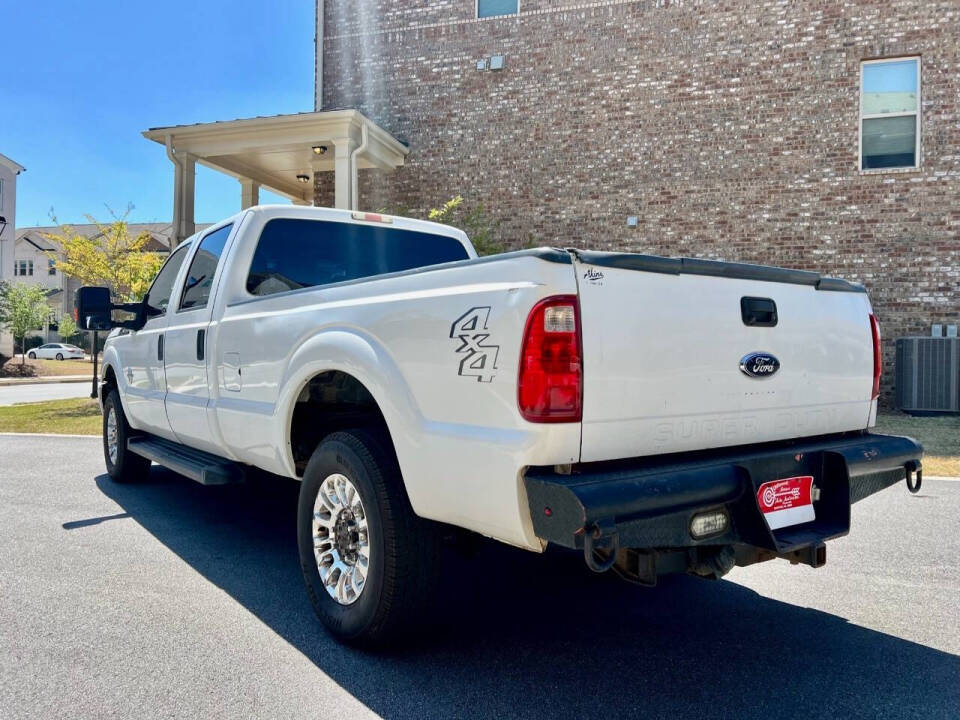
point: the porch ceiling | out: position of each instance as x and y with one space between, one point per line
272 151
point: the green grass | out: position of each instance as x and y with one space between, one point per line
940 437
77 416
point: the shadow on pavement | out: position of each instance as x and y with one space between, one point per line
518 634
93 521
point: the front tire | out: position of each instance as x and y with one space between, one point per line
368 561
32 355
123 466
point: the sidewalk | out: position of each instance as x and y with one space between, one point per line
46 380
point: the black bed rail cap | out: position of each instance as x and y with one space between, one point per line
714 268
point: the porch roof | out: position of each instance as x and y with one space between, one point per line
273 151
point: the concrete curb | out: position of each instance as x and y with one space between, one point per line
46 380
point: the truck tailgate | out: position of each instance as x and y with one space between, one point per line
664 340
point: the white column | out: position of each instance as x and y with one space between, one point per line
189 194
184 194
343 173
249 193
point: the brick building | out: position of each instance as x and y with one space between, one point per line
818 135
727 130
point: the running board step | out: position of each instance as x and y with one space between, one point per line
197 465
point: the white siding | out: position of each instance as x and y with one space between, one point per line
8 209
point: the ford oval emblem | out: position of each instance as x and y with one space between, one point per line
759 365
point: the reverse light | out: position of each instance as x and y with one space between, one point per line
709 523
877 356
550 385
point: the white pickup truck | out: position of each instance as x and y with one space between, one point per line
658 415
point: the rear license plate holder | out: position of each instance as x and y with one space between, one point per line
787 501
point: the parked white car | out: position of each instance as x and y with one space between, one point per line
57 351
657 414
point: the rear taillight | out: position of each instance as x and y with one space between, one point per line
877 356
551 370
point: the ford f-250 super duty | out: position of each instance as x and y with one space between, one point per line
659 415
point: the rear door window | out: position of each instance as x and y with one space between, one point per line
199 283
293 254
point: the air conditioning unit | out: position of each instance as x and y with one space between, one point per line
928 375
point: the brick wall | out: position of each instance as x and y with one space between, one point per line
730 130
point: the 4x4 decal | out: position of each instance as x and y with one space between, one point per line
479 357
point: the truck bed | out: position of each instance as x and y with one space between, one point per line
663 341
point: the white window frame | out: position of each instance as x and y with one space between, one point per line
872 116
476 12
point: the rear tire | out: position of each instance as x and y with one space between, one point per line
402 550
123 466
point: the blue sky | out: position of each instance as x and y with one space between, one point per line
86 78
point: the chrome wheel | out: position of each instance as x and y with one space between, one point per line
113 442
341 543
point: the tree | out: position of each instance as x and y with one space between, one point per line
67 327
111 257
23 308
483 231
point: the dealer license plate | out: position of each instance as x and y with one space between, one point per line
787 502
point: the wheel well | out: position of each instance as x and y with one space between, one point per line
329 402
109 379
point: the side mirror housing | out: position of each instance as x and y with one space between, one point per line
92 309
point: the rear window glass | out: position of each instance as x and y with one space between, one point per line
293 254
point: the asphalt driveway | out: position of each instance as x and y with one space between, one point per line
171 599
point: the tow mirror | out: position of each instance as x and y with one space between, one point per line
92 308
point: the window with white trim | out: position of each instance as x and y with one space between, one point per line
890 113
51 267
492 8
24 267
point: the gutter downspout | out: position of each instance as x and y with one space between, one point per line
354 156
177 192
